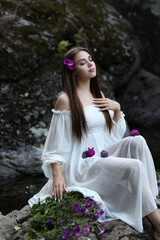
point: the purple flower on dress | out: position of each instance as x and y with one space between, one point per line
134 132
85 154
104 153
91 152
103 230
70 63
86 230
76 230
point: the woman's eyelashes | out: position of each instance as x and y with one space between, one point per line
82 63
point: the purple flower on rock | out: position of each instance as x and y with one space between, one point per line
86 216
91 152
104 153
86 230
76 230
65 233
83 209
103 230
77 207
134 132
64 237
49 223
103 223
98 215
62 205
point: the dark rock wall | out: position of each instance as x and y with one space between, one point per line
127 61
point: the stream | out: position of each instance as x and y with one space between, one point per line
15 192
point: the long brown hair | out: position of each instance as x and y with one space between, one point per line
79 124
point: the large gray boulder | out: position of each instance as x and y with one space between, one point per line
13 227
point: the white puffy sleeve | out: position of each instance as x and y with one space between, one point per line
119 128
58 142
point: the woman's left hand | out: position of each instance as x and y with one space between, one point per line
106 104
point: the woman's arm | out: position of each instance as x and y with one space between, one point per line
59 182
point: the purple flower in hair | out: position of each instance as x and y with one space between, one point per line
70 63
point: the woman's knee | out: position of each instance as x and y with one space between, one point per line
137 142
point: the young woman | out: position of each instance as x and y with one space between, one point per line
125 181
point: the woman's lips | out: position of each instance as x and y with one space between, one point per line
92 70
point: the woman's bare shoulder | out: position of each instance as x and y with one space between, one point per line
62 102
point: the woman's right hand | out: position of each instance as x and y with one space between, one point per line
58 186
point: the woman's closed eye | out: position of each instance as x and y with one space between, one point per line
82 63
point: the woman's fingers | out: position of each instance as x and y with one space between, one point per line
58 192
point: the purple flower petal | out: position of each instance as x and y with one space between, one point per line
42 239
62 205
86 230
76 230
71 67
158 183
86 216
66 61
103 230
103 223
49 222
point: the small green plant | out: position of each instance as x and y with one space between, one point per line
62 47
18 42
158 174
79 37
63 220
9 50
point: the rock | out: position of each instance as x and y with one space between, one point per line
140 99
6 227
115 230
30 78
26 160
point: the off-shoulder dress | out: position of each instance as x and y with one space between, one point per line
124 183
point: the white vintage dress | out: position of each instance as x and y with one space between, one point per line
125 182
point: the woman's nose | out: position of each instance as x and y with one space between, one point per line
90 63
